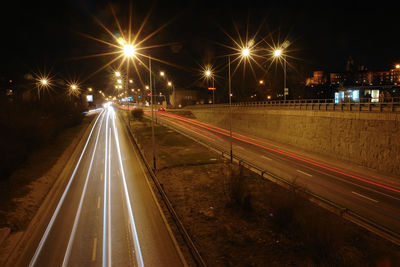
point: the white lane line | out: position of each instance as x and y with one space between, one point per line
264 157
105 195
94 249
371 199
139 257
53 217
310 175
78 213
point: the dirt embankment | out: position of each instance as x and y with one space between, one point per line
238 219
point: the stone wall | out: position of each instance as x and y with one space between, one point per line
368 139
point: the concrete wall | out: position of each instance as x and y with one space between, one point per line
367 139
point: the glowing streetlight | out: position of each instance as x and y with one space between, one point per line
119 81
277 52
169 83
207 73
90 89
131 81
129 50
44 82
147 87
117 73
245 52
397 66
162 73
261 81
73 86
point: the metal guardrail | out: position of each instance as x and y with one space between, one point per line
344 212
186 237
388 104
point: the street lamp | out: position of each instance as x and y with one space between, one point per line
279 52
117 73
208 74
245 52
44 82
162 73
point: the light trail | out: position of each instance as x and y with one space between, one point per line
138 252
289 154
104 256
78 214
54 216
109 251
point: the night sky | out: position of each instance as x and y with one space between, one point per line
45 35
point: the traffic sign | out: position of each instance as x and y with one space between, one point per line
286 91
212 88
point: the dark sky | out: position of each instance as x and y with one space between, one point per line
44 35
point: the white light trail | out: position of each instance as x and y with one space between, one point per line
138 252
105 257
78 213
53 217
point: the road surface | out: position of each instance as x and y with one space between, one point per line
105 214
372 197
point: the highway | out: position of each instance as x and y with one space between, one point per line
106 213
374 197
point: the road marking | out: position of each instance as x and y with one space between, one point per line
98 202
304 173
101 177
78 212
139 257
371 199
264 157
53 217
94 249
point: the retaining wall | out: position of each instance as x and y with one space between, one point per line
368 139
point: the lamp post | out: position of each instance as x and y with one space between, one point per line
245 52
278 53
152 119
230 107
170 84
208 73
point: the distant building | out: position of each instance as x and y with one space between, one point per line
318 78
181 98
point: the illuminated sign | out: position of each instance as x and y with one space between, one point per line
89 98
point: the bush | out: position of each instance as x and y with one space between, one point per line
27 126
238 191
137 113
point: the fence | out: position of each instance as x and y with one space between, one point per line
387 104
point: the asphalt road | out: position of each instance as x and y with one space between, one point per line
372 197
106 213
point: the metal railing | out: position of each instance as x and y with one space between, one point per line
386 104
